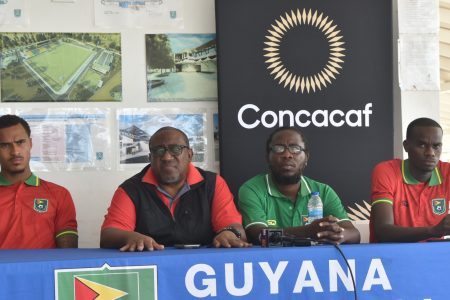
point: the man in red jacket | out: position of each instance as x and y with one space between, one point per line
172 202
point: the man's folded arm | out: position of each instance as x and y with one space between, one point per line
386 231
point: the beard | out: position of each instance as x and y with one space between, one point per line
282 179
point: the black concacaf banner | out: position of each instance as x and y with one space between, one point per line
324 66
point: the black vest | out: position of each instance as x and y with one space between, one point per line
191 223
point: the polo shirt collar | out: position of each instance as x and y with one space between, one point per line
193 176
33 180
273 191
436 176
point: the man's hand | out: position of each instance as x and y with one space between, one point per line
328 230
140 242
228 239
442 228
127 240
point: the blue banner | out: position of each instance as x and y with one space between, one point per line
391 271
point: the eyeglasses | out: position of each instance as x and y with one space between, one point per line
174 150
293 148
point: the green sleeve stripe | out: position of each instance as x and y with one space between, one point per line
388 201
255 223
66 232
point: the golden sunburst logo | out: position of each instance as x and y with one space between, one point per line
295 80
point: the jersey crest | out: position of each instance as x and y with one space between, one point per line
40 205
439 206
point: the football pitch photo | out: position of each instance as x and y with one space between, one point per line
78 67
55 67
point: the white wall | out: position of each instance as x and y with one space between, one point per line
92 190
411 104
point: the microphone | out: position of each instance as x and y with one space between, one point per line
277 238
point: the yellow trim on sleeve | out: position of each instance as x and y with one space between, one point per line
66 232
388 201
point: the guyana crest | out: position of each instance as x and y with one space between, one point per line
108 283
439 206
40 205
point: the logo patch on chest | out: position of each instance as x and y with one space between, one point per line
272 222
439 206
40 205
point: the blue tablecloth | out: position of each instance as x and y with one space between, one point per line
382 271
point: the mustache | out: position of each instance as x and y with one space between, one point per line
14 156
168 163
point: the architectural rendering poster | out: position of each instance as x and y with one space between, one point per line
181 67
69 138
45 66
136 126
161 14
14 12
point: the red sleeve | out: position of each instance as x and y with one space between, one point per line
224 211
121 213
383 181
66 217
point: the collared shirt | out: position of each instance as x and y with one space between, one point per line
260 202
122 213
415 203
34 213
184 189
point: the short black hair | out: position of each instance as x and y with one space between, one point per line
186 139
296 130
11 120
421 122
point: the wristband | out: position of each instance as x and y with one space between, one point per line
236 232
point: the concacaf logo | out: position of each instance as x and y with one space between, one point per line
293 79
106 283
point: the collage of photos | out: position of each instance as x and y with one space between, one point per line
87 67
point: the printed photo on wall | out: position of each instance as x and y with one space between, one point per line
181 67
136 126
69 139
46 66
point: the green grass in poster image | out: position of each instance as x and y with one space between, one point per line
39 67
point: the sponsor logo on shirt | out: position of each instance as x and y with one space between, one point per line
305 219
272 222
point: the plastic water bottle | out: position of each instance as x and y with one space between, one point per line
315 207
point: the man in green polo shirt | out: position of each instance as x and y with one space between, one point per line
279 198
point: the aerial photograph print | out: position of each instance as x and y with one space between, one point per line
46 66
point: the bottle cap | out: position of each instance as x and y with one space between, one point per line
315 194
